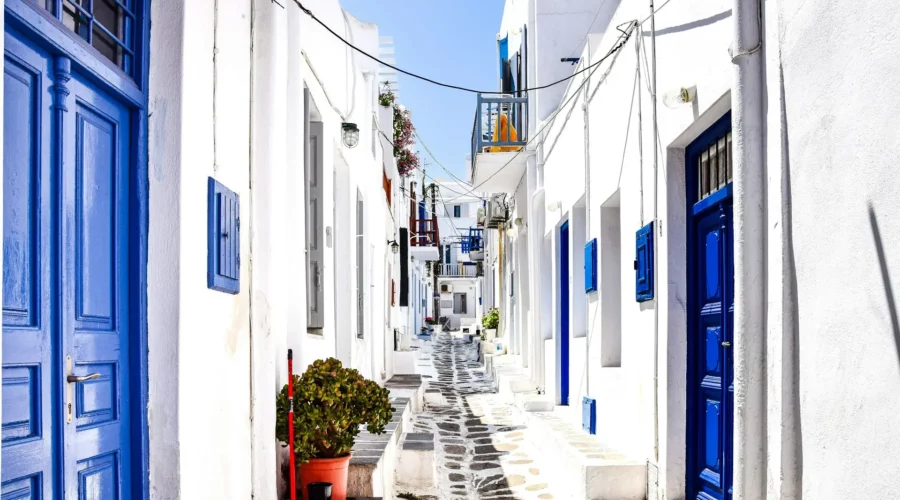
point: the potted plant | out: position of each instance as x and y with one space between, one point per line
330 403
490 322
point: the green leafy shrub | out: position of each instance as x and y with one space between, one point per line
330 403
491 320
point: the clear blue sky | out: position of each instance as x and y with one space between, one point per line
451 41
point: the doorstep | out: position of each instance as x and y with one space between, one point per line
532 401
409 385
591 468
374 456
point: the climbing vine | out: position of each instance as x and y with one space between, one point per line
407 159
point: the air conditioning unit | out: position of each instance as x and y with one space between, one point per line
445 288
497 212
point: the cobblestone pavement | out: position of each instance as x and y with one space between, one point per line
482 450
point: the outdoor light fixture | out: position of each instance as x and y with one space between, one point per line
679 97
554 206
395 247
350 134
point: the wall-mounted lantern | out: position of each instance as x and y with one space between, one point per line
395 247
350 134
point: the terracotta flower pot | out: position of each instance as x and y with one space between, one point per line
326 470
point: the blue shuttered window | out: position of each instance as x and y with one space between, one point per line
643 264
589 415
223 239
590 266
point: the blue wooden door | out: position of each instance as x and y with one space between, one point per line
710 316
564 314
67 423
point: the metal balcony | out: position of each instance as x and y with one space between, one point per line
498 138
461 270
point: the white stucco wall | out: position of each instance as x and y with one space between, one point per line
841 253
626 416
203 444
194 432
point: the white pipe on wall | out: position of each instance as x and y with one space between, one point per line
749 252
657 232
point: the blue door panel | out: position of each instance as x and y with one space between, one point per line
95 281
29 344
709 358
66 282
710 273
564 314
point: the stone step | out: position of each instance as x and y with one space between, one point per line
374 456
583 462
417 465
434 397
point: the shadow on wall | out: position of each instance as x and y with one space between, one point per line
792 487
885 277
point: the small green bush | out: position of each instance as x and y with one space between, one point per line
330 403
491 320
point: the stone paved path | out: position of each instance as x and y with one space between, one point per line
482 448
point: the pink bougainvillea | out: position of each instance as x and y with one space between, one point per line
407 160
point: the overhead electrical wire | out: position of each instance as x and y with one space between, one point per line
427 150
425 174
618 46
426 79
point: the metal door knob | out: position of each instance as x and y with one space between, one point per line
726 344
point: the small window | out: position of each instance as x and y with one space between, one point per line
223 239
106 25
643 263
457 211
715 166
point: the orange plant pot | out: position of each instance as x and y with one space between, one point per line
326 470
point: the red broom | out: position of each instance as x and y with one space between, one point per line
293 473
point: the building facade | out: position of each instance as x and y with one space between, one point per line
687 269
184 201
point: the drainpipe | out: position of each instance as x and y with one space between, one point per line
536 231
500 325
656 229
587 200
749 252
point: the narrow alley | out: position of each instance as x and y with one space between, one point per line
483 449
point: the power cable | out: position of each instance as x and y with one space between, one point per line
426 79
622 39
424 174
419 137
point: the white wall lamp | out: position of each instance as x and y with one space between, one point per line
554 206
679 97
350 134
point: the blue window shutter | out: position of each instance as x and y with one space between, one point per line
590 266
643 264
223 267
589 415
503 48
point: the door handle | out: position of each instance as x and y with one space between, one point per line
74 379
726 344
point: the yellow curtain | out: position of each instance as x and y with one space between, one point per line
504 132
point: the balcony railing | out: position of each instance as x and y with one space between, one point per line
425 232
501 124
473 241
464 270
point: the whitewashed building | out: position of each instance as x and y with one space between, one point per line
186 199
462 252
696 268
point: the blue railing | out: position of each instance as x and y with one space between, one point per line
473 242
488 134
